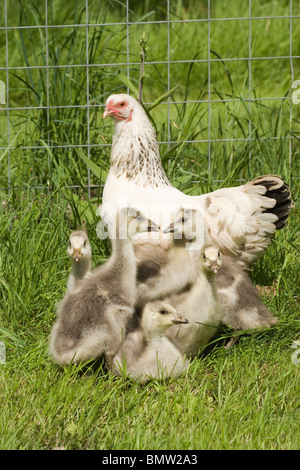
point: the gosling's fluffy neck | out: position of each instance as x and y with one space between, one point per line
153 336
80 268
123 263
152 331
122 252
78 271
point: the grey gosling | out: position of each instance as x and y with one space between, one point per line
146 352
80 253
239 303
199 303
92 320
171 266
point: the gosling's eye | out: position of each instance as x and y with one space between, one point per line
163 311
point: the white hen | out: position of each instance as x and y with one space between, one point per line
241 220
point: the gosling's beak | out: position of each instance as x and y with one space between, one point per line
214 268
153 227
77 255
170 228
179 319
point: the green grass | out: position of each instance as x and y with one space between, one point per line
243 398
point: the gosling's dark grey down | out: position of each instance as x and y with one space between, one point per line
164 269
240 305
92 320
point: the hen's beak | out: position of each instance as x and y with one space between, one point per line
179 319
77 255
107 112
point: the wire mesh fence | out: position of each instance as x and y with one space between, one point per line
235 66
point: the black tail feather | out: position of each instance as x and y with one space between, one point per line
277 189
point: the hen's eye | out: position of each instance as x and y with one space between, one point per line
163 311
204 257
84 244
122 104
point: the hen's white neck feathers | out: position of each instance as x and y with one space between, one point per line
135 152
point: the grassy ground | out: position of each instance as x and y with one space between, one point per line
244 398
